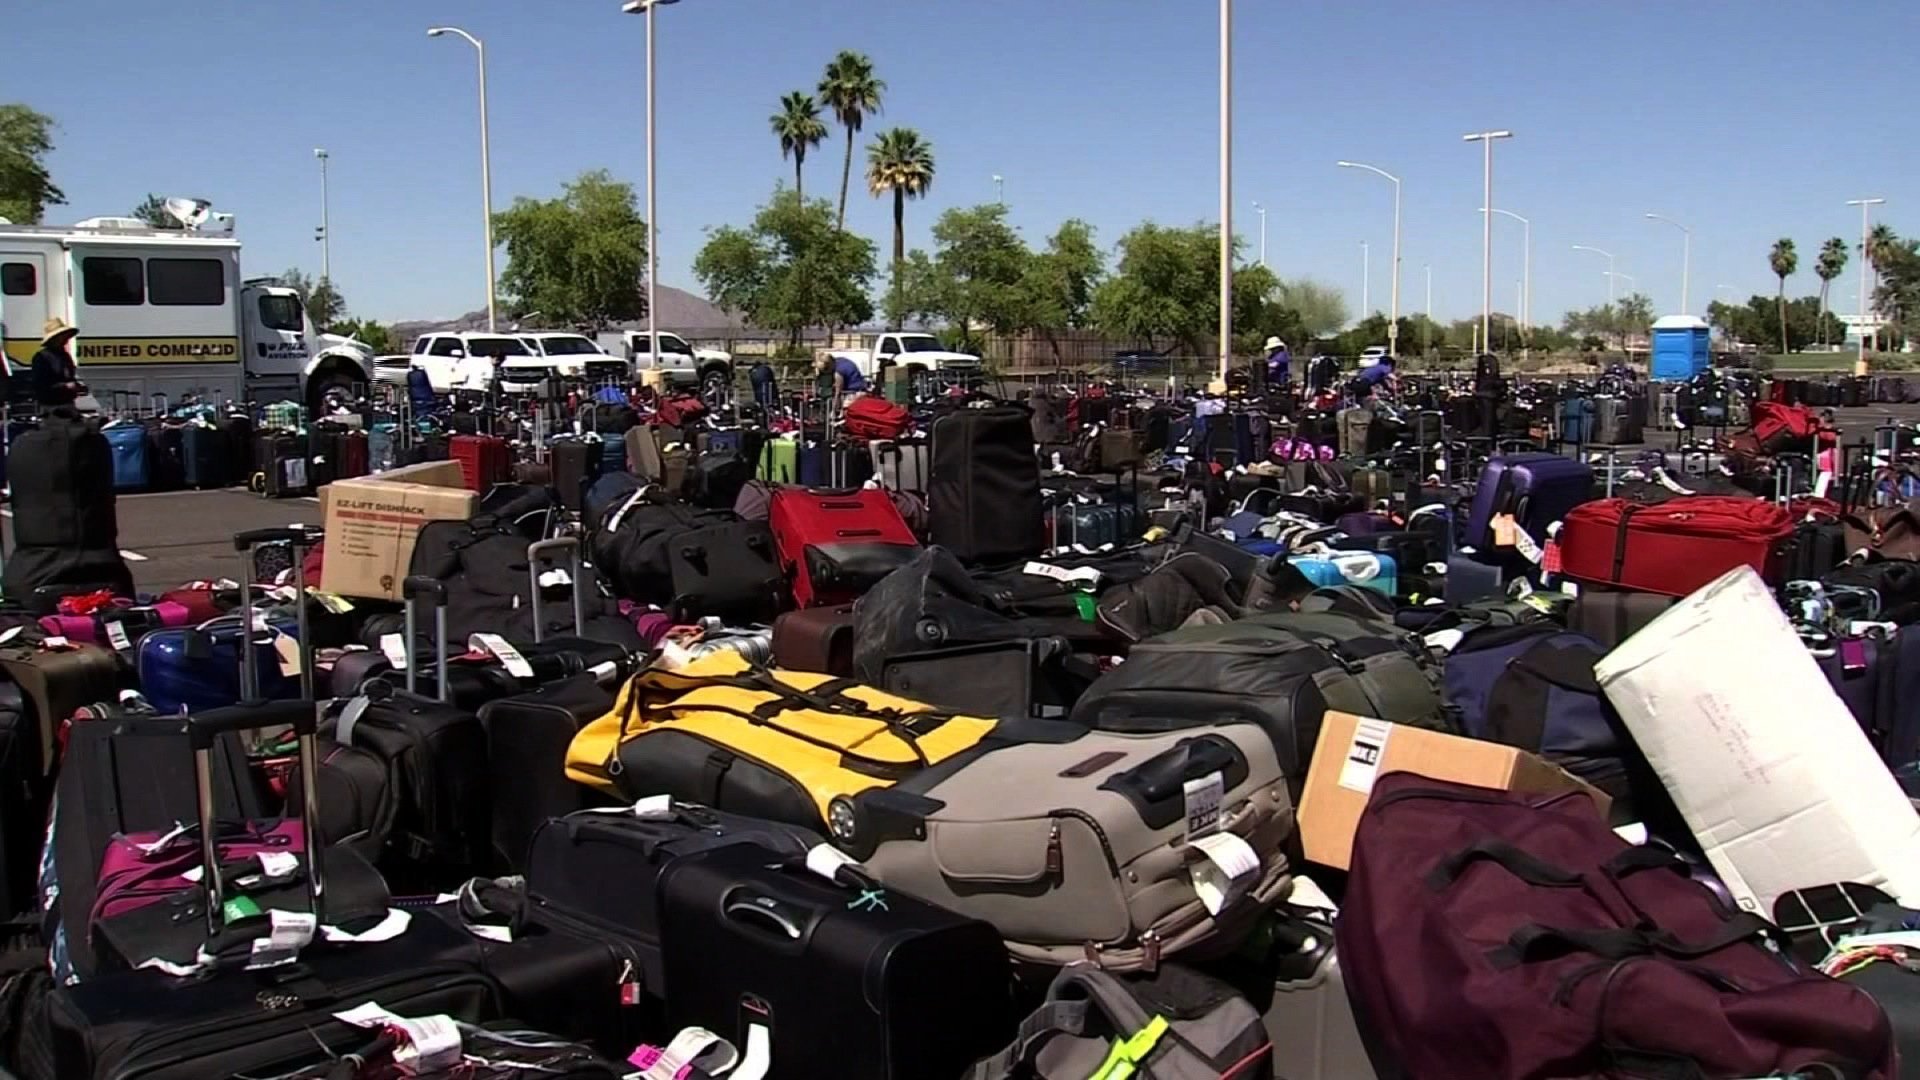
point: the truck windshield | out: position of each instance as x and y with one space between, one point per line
280 312
919 344
496 346
567 346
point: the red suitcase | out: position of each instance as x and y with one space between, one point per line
483 459
835 545
1676 546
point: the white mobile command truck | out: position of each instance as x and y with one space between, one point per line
165 311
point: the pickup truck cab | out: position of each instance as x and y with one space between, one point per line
919 355
460 361
573 356
681 365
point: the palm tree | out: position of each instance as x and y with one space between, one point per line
851 91
1784 261
1832 260
1880 244
799 127
899 161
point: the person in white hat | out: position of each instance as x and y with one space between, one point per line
56 381
1279 363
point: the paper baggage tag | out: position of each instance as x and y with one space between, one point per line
1362 765
1503 530
292 931
1529 548
10 633
693 1048
1230 865
394 648
433 1044
499 648
117 636
288 652
279 864
555 577
1083 577
395 924
56 641
1203 797
334 603
259 621
826 860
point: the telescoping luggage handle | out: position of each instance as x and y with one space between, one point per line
536 557
300 539
203 730
436 591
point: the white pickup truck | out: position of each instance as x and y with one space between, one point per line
918 355
679 363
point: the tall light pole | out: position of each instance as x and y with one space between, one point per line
326 234
1609 255
1525 314
999 189
1485 138
1426 331
1366 281
1262 211
1866 262
1632 282
1226 190
645 7
486 160
1686 257
1393 314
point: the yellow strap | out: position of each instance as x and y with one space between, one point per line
1127 1054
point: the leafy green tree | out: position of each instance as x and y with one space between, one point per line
914 295
1897 298
980 267
1635 315
326 308
1166 287
26 189
899 162
1831 261
792 269
852 92
1784 261
368 333
1321 308
578 259
799 129
1057 288
153 211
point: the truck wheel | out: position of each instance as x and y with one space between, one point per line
336 390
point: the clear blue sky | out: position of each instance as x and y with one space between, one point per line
1735 117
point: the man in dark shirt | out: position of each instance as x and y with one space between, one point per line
55 380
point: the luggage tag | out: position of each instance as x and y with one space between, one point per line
1203 796
291 931
394 648
333 603
117 636
498 647
287 651
1226 871
1503 530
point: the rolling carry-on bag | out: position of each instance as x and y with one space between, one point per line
900 464
576 463
779 462
284 464
835 545
1535 489
605 864
54 682
483 459
206 455
730 572
61 476
1675 547
527 739
130 451
1076 847
1309 1020
983 497
766 953
25 788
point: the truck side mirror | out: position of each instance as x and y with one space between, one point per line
458 354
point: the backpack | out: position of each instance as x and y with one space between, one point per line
1492 935
1206 1030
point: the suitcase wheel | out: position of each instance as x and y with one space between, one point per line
258 484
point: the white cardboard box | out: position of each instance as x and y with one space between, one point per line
1773 774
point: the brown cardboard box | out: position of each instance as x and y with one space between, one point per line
1353 751
372 524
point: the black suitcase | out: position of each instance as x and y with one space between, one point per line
262 1023
24 790
527 740
576 463
1410 550
604 868
283 463
836 977
983 499
61 475
1037 677
730 572
1612 616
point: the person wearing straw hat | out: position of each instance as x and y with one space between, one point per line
1279 363
56 381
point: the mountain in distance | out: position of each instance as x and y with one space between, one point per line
680 311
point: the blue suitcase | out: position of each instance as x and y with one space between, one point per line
1537 489
613 453
1576 420
129 445
383 446
811 461
192 669
1367 569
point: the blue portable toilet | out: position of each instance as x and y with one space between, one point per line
1681 347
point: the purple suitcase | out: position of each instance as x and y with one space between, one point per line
1537 489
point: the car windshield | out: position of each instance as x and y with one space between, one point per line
919 344
566 346
496 346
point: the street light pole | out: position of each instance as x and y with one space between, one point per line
999 189
326 233
1525 314
1686 257
486 161
1262 211
1393 312
1866 260
1426 331
1366 281
645 7
1226 190
1609 255
1486 232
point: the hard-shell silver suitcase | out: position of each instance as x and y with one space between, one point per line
1310 1020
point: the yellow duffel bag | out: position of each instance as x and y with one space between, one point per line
779 745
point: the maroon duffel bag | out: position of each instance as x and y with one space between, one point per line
1672 547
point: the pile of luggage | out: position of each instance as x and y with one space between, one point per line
1095 736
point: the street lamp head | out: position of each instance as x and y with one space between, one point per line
320 153
436 31
639 7
1344 164
1479 135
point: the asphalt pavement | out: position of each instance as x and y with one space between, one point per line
173 537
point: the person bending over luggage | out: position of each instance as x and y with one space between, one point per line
1374 379
55 380
845 375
